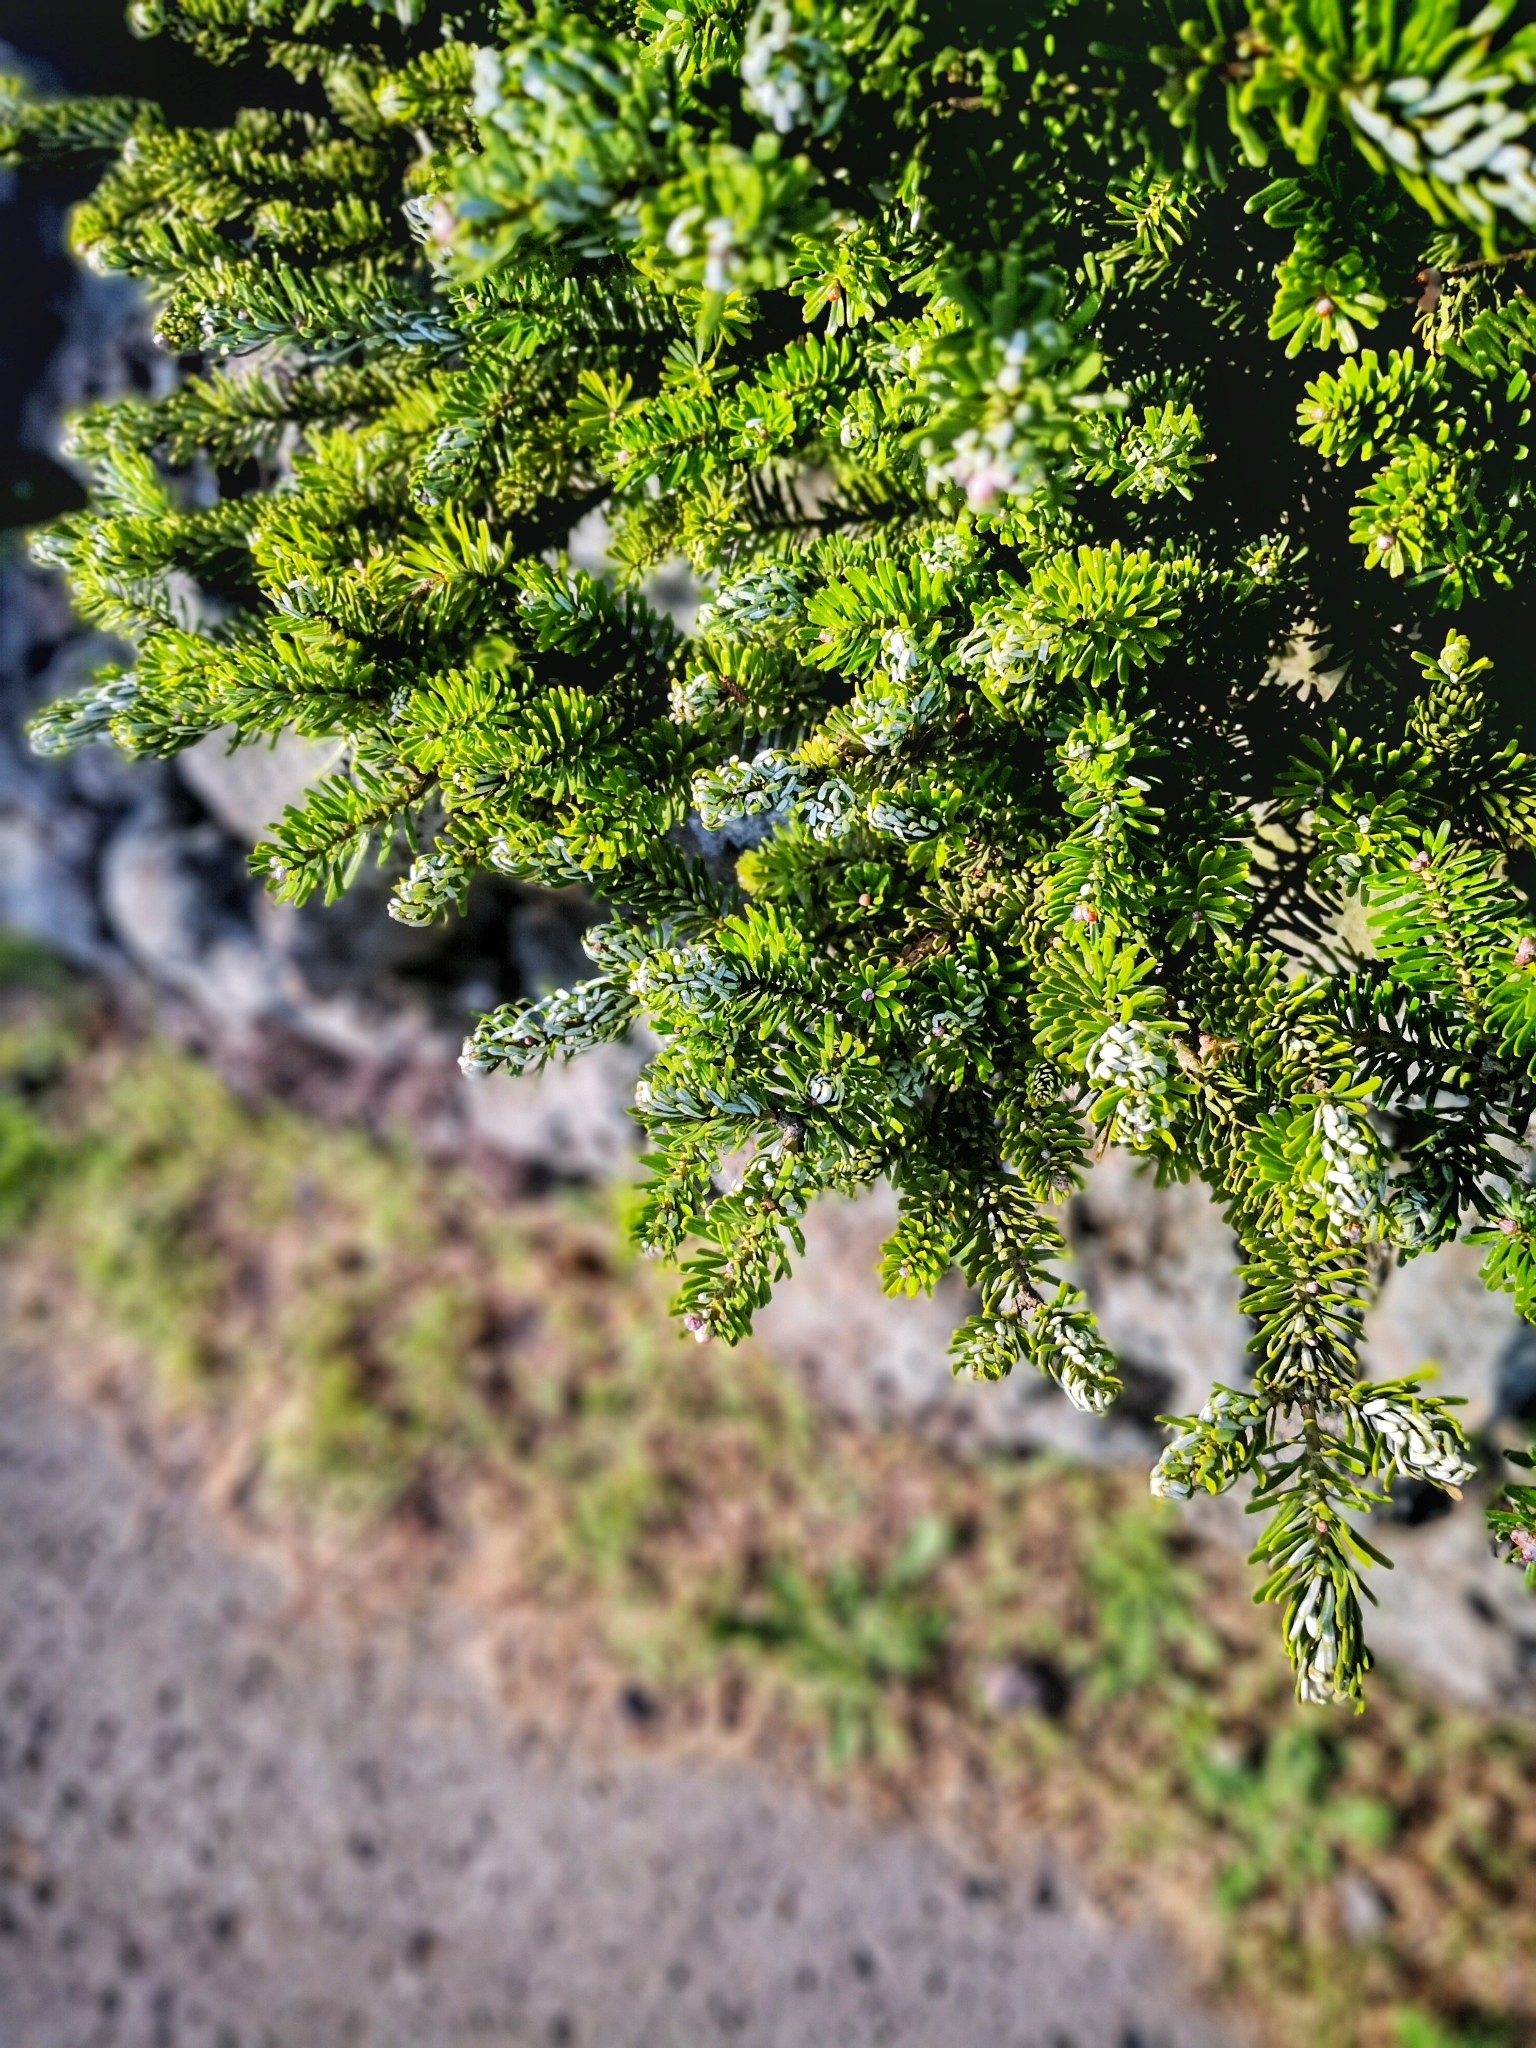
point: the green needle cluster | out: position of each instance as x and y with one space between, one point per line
1101 436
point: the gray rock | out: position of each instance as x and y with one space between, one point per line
107 348
41 893
1435 1317
1158 1263
177 903
882 1361
1453 1614
1514 1375
569 1120
180 904
1364 1908
1159 1266
247 789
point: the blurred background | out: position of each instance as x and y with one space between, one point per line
405 1639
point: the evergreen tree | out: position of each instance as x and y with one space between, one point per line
1101 431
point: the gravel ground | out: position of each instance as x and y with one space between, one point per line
229 1825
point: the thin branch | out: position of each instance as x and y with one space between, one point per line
1491 262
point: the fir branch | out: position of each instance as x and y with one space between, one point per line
1057 757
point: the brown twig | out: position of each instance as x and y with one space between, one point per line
1490 262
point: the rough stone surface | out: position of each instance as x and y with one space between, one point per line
226 1826
247 789
882 1361
1159 1266
1452 1614
570 1120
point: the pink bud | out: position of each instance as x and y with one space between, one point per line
984 486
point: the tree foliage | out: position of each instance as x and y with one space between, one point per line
1101 431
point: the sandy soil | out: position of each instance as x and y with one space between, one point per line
226 1823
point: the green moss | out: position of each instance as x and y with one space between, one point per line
1284 1814
41 1028
854 1638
